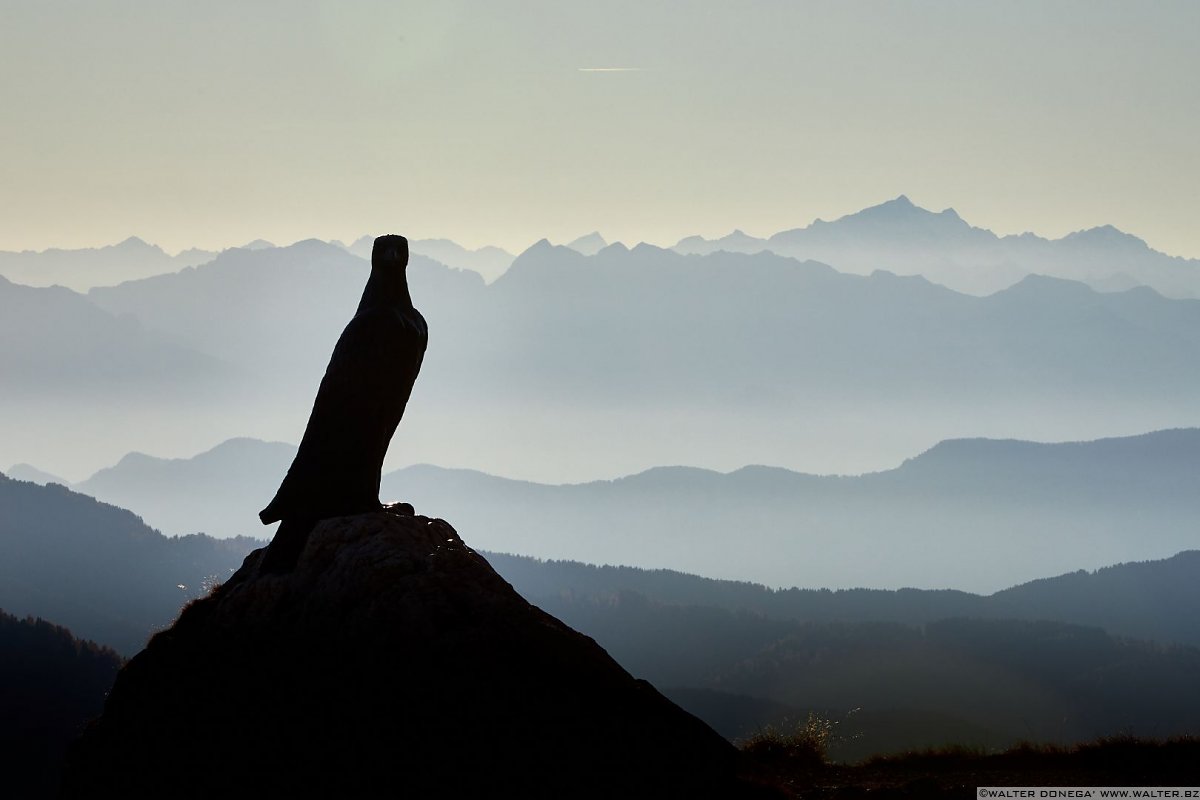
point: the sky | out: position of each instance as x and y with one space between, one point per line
211 124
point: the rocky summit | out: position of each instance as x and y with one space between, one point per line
392 662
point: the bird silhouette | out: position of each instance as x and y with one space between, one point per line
358 406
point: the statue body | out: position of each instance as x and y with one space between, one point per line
359 404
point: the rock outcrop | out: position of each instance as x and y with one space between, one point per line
393 661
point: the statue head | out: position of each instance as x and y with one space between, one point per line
389 252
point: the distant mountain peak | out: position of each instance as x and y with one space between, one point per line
30 473
135 243
900 208
1107 236
589 244
258 244
542 258
615 247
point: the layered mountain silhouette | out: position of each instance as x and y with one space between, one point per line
55 343
98 266
737 654
896 236
901 237
983 683
1146 600
968 514
218 492
974 515
55 544
30 473
392 659
490 262
98 569
274 308
717 360
588 244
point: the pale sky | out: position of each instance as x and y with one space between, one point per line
212 123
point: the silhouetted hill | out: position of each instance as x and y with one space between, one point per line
393 659
1016 680
97 568
95 266
901 237
891 686
50 684
1147 600
1150 600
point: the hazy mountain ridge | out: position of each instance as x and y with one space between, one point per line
98 569
1018 680
957 517
765 651
589 244
49 533
896 235
275 308
902 237
490 262
1034 509
1147 600
715 360
95 266
211 492
55 342
31 474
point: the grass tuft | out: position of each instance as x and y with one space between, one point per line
805 743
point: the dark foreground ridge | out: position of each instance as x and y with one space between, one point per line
393 661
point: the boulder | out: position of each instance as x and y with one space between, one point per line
393 661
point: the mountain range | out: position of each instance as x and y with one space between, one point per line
921 667
570 366
98 569
55 343
103 572
976 514
84 268
897 236
904 238
490 262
